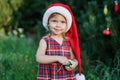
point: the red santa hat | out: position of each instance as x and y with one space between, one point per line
71 31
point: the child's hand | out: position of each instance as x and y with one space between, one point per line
63 60
72 66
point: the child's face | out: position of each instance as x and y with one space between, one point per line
57 24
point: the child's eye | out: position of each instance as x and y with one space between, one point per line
54 20
63 21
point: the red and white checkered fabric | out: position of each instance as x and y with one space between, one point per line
55 71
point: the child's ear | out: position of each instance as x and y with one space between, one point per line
48 26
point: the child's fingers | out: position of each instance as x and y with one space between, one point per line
69 68
73 65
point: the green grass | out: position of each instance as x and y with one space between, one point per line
17 59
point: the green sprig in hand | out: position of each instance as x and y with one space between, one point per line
68 64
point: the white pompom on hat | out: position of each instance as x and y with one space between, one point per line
80 77
57 9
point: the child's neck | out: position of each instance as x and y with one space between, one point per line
57 36
59 39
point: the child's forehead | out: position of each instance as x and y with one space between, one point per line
56 14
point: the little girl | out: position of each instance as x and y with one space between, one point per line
60 47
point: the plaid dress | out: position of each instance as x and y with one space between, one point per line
55 71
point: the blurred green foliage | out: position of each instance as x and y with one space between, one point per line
100 54
17 59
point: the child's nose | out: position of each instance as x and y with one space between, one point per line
58 24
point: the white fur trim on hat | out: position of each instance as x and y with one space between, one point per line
60 10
